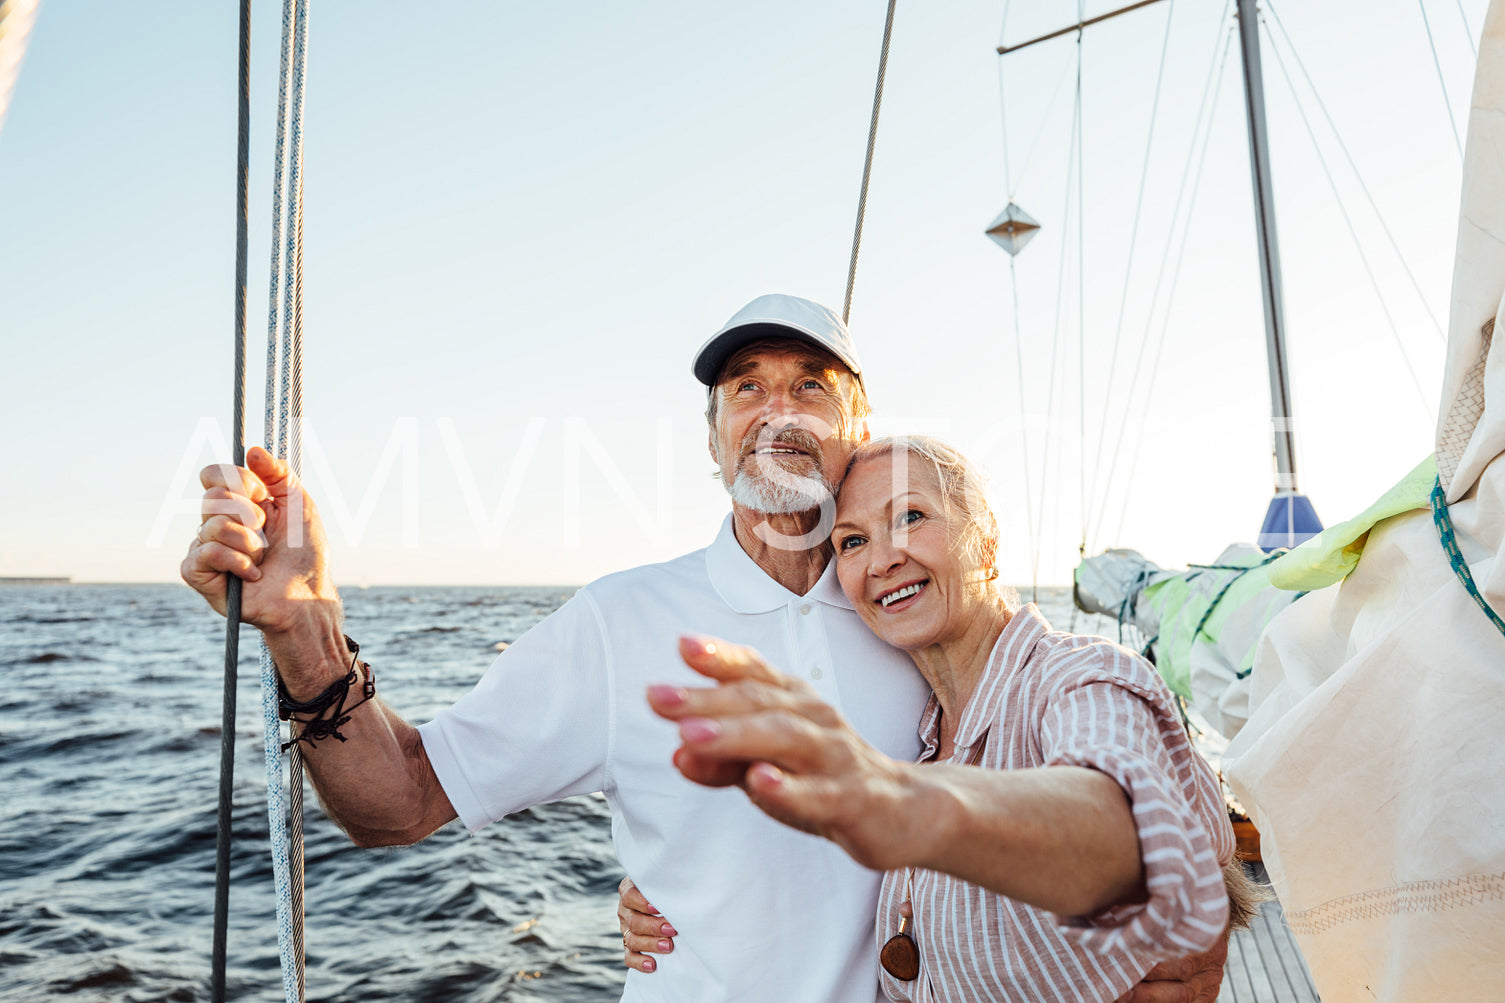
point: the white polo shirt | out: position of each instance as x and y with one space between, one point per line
763 912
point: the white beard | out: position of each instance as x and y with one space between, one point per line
762 483
776 491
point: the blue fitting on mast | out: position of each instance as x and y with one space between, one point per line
1289 520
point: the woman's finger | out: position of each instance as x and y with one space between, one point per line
789 740
630 897
725 662
801 802
640 961
709 771
652 943
644 935
855 810
743 696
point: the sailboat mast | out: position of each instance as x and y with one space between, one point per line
1290 518
1269 249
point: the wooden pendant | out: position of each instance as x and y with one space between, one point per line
900 957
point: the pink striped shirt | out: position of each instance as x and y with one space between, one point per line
1049 699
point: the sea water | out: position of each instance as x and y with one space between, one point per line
109 758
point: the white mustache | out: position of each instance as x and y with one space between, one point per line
797 438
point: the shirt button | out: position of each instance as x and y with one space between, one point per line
805 610
815 672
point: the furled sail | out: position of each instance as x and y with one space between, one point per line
1370 757
1201 626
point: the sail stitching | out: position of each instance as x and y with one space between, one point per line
1412 897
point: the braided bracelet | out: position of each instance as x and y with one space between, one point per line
327 712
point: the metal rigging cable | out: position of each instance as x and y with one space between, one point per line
1165 319
1441 79
1348 222
1123 302
223 826
1468 31
1081 284
1379 216
867 165
1045 121
1055 341
1211 86
1029 501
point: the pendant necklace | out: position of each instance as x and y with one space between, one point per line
900 957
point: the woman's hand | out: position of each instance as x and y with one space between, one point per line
644 930
793 754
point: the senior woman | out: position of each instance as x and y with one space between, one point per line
1057 838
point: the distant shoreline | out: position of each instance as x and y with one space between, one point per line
59 580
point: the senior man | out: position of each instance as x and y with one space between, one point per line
762 912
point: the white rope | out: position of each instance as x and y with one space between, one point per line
286 233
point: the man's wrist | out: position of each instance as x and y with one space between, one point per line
309 661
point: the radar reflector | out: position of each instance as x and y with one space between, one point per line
1013 229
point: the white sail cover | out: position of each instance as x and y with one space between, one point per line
16 18
1371 758
1202 625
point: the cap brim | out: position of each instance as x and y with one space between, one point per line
724 344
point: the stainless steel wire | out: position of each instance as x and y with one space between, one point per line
867 166
223 826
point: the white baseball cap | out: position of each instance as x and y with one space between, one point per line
776 316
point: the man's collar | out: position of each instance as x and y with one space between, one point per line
747 588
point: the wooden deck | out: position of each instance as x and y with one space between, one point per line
1264 963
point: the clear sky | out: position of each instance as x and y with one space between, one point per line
522 219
